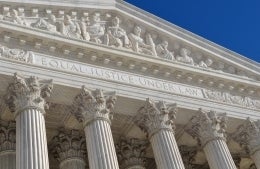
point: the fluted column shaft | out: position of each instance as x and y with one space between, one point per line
26 99
31 142
210 129
100 146
94 109
73 163
7 160
256 158
157 120
166 152
218 155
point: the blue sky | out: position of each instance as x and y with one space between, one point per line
234 24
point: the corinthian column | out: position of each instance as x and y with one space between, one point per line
26 99
156 119
94 109
209 129
248 136
131 153
69 148
7 145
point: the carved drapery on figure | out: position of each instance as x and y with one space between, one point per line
69 145
93 105
106 30
208 126
16 54
131 152
155 116
28 93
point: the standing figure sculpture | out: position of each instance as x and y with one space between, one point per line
116 36
70 28
163 52
95 29
138 44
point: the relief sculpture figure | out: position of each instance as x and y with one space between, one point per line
185 56
96 29
163 52
116 36
49 24
139 45
70 28
15 18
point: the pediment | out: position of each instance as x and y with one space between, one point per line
125 35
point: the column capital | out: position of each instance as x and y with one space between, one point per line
248 135
68 144
7 136
93 105
131 153
207 126
155 116
24 93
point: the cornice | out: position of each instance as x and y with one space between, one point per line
126 60
151 27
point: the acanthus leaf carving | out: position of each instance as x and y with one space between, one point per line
68 144
248 135
156 116
188 155
29 92
92 105
207 126
7 136
131 153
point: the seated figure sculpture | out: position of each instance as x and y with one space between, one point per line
95 29
138 44
116 36
163 52
49 24
70 28
15 18
184 56
206 64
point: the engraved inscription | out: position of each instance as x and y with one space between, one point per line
118 76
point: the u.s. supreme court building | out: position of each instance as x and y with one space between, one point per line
101 84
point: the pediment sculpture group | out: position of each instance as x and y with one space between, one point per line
91 28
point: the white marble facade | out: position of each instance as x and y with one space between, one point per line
94 84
